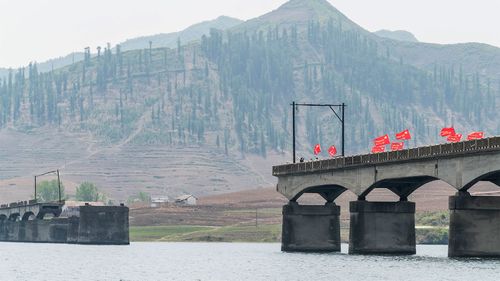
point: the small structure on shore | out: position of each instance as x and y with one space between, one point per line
157 202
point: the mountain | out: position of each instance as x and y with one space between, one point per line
399 35
192 33
471 57
468 58
214 115
51 64
299 13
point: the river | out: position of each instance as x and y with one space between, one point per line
228 261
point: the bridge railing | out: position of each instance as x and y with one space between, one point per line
440 150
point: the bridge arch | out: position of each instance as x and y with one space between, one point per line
44 215
493 176
402 187
14 216
329 192
28 216
3 217
53 210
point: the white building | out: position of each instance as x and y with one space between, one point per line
186 200
159 201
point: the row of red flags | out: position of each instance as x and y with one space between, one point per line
332 150
449 133
452 136
381 142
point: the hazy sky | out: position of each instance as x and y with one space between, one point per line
41 29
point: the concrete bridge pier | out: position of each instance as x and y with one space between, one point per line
474 226
382 228
309 228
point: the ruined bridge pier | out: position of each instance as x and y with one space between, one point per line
389 227
26 221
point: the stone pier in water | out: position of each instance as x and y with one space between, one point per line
474 226
382 228
311 228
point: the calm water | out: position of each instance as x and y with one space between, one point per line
220 261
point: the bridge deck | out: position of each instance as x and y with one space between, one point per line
31 207
419 153
18 204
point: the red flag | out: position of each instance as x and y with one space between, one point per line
404 135
317 149
378 149
475 136
395 146
455 138
383 140
446 132
332 150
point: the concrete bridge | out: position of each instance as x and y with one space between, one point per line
389 227
29 210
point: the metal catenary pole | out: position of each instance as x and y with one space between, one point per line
59 184
341 108
293 129
343 129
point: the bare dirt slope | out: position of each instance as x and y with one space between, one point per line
124 169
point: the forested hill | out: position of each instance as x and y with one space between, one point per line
230 93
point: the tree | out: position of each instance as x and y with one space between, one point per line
144 196
87 191
48 191
140 197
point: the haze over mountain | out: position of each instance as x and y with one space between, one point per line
213 116
191 33
399 35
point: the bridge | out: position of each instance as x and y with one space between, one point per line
389 227
26 221
29 210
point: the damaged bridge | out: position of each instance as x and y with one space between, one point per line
29 210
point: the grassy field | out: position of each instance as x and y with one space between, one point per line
158 233
184 233
263 233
